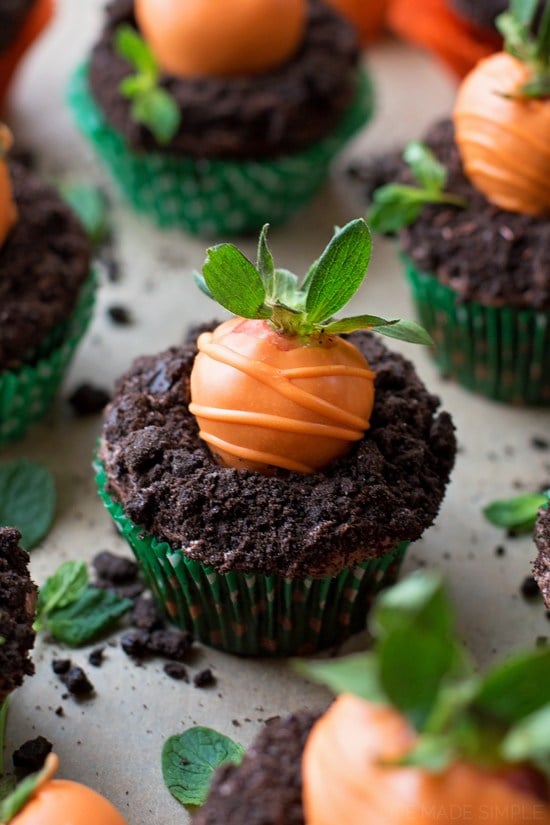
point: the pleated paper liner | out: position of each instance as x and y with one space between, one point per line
27 393
254 614
212 197
499 352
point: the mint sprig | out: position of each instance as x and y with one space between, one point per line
533 49
72 610
152 105
419 666
518 513
190 759
396 205
27 499
305 310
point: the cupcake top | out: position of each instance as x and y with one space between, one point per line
485 254
43 263
17 611
280 110
541 567
12 16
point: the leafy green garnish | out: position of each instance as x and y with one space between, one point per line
27 499
518 513
90 204
396 205
533 49
20 795
306 310
190 759
74 612
420 667
152 105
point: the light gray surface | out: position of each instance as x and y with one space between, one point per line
113 742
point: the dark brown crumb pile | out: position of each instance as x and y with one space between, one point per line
484 253
269 114
17 609
541 567
266 788
387 489
43 264
12 17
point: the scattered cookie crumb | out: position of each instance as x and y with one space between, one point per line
204 678
176 670
31 755
88 399
529 588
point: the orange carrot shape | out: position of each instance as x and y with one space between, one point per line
41 800
277 386
368 17
419 735
502 115
8 210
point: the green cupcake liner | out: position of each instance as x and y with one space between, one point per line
214 196
499 352
254 614
27 393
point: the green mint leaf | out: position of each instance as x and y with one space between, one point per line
135 85
339 272
523 11
394 206
158 111
357 674
201 283
286 289
90 205
517 39
190 759
265 264
130 45
517 687
18 798
516 512
65 586
420 600
542 52
424 165
529 740
86 618
27 499
7 786
234 282
347 325
537 88
408 331
431 753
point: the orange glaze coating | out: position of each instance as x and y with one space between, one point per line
368 17
263 400
345 780
209 37
8 211
504 142
38 17
62 802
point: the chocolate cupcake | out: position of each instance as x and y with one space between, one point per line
46 296
249 145
271 535
541 567
21 21
18 596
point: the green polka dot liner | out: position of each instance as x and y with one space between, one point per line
211 197
502 353
254 614
27 393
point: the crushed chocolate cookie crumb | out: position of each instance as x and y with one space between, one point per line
115 569
77 682
176 670
30 757
61 666
500 550
204 678
529 588
88 400
539 443
120 315
145 614
97 656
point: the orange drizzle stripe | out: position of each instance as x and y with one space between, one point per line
284 462
273 378
524 135
274 422
329 369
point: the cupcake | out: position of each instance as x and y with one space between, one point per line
46 294
269 474
541 567
17 610
471 211
447 743
240 117
21 21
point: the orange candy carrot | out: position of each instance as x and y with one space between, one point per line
207 37
37 19
8 211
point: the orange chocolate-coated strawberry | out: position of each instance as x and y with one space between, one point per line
503 138
8 211
265 400
347 778
368 17
209 37
37 19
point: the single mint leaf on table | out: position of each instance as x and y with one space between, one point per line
90 204
83 620
190 759
518 512
27 499
65 586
